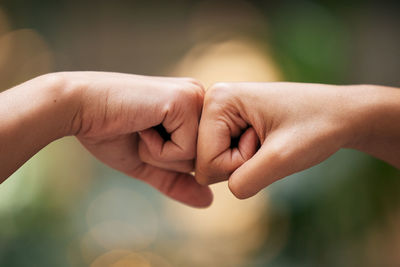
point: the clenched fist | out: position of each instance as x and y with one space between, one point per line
116 124
118 118
256 133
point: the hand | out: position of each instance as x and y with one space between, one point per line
283 128
115 120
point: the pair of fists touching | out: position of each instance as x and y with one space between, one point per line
250 134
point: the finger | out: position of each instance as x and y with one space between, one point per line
120 154
273 161
164 150
219 122
183 142
179 186
182 123
216 159
153 158
180 126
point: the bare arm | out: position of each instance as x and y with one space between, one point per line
113 116
377 130
33 114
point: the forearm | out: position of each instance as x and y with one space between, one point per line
33 114
377 127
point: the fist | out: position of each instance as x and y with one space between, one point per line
253 134
145 127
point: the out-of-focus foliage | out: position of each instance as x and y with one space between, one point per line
63 208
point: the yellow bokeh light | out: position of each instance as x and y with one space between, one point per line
234 60
230 227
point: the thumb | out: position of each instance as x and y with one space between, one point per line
217 160
269 164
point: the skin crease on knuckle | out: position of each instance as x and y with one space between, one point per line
179 166
194 82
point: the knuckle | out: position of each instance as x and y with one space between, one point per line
184 92
221 87
190 98
195 97
194 82
218 93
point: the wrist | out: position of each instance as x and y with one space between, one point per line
34 114
61 103
373 114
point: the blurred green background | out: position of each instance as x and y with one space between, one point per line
63 208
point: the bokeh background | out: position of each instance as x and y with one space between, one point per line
63 208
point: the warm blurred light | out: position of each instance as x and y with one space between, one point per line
122 219
226 46
226 216
232 60
230 227
126 258
120 258
44 202
155 259
118 234
88 249
134 260
110 257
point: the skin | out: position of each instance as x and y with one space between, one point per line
113 116
284 128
